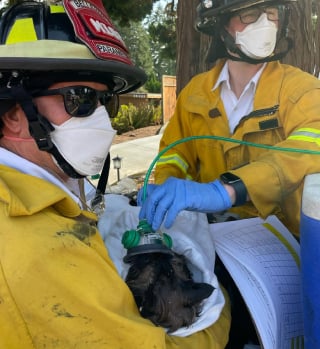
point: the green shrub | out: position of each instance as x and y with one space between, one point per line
131 117
153 85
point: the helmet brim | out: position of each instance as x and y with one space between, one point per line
74 59
232 6
239 5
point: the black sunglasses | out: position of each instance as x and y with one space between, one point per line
82 101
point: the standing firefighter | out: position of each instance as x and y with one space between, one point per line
250 97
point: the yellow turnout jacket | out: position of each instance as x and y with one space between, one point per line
58 286
286 115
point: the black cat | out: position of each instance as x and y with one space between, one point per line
164 291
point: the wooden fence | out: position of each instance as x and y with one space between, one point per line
167 97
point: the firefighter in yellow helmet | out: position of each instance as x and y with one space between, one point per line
61 69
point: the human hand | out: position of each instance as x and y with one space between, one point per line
165 201
150 188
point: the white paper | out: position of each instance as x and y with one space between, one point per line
264 262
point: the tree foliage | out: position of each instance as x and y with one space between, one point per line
153 84
162 30
127 10
152 45
161 25
137 40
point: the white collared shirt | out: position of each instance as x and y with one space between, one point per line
236 108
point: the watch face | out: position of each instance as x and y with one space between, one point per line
229 178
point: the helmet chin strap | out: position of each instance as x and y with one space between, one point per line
242 57
40 128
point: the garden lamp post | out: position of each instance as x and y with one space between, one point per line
117 165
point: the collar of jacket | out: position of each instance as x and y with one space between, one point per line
24 195
200 97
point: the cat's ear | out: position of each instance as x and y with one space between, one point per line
195 292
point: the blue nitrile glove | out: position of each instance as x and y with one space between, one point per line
150 189
175 195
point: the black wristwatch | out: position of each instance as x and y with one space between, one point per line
238 185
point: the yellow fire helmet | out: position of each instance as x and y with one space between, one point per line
42 44
75 41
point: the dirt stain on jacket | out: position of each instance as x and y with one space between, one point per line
82 231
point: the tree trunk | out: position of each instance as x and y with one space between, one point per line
317 37
192 46
188 48
305 53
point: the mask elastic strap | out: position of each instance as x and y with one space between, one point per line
39 126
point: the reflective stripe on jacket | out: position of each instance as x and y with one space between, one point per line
286 114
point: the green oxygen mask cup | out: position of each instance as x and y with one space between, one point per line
144 239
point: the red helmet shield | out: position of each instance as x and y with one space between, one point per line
94 28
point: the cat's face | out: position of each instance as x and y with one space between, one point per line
164 291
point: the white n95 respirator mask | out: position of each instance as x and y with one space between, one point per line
84 142
258 39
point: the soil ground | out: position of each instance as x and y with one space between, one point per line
138 133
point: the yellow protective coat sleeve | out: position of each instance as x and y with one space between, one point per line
287 101
58 286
